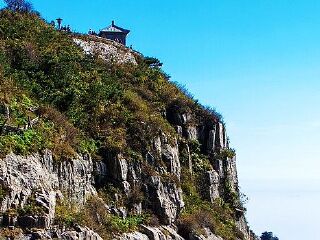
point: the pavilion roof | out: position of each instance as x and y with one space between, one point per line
114 28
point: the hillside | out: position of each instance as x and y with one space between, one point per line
96 142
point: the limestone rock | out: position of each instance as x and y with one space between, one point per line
38 177
107 50
221 137
212 181
207 236
153 233
100 169
192 133
133 236
81 233
211 143
118 168
166 199
76 178
231 172
170 155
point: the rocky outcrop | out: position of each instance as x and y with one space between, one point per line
166 199
76 233
36 181
212 180
107 50
153 233
207 236
230 170
80 233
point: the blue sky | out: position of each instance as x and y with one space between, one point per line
257 62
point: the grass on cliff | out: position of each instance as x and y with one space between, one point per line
200 213
83 103
96 216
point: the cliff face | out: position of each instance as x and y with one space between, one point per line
96 143
38 180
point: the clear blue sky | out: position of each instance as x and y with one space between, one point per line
257 62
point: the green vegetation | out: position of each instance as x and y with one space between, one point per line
54 96
96 216
225 153
31 208
83 103
199 214
3 192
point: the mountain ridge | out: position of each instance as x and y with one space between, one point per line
96 142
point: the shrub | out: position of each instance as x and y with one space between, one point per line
32 208
199 213
95 216
66 213
136 195
153 62
28 141
129 224
226 153
3 192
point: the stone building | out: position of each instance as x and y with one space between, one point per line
115 33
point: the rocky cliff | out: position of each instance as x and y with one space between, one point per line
125 154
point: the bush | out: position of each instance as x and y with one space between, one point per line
226 153
199 213
66 213
153 62
32 208
3 193
28 141
95 216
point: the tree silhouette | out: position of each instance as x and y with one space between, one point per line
268 236
19 5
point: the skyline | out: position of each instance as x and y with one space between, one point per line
256 62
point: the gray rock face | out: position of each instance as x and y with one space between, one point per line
21 176
77 233
243 226
40 178
166 198
170 155
37 177
107 50
211 141
212 188
208 236
76 179
133 236
217 138
192 133
81 233
118 168
221 138
230 170
153 233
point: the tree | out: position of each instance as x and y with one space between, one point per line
268 236
153 62
19 5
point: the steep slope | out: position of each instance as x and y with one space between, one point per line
96 142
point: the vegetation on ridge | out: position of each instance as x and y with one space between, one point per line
54 96
103 106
